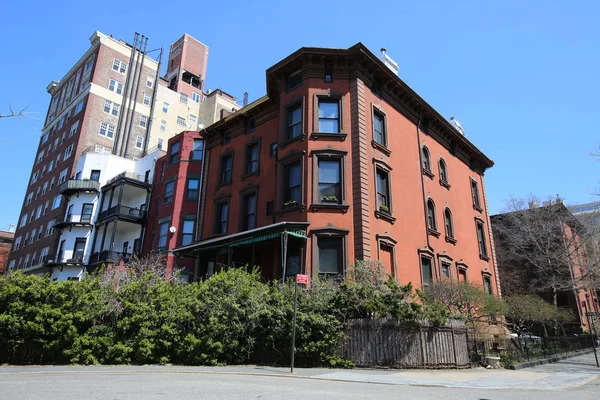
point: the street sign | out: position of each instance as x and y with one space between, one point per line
302 279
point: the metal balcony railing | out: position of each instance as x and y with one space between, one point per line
130 175
74 185
105 256
125 212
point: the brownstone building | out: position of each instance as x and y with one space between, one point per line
340 161
6 243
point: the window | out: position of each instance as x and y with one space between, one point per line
111 108
34 178
196 97
26 263
330 255
143 121
169 188
115 86
46 205
32 237
180 121
330 181
17 243
383 192
426 271
119 66
187 232
79 107
68 152
38 212
198 150
273 149
329 116
23 221
79 249
29 199
487 284
445 270
150 81
11 265
426 159
163 231
86 212
431 222
294 121
183 98
37 192
165 107
95 175
475 194
328 72
193 120
270 208
379 133
481 239
163 125
448 223
225 137
462 274
222 211
49 227
147 98
249 212
252 158
250 125
56 202
107 130
292 190
40 157
226 165
174 155
63 175
443 171
26 241
192 189
294 79
50 165
159 145
139 142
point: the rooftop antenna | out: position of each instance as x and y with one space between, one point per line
245 99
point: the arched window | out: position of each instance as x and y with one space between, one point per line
426 159
443 171
431 224
448 222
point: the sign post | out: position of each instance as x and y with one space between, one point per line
593 334
303 279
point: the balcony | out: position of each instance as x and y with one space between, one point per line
70 222
124 213
130 176
74 186
76 258
105 257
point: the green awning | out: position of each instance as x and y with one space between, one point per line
299 234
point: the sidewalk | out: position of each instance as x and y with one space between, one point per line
568 373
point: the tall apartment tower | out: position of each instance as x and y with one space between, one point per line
112 101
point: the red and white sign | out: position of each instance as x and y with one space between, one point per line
302 279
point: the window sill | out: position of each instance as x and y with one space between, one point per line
250 174
444 184
328 135
428 173
286 142
299 207
220 185
450 240
477 208
386 216
484 257
330 206
433 232
381 148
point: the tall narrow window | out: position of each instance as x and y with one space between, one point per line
187 232
163 231
139 142
252 158
330 186
383 192
481 239
328 72
294 121
475 194
445 270
174 155
330 255
431 222
222 213
443 171
426 271
86 213
329 116
292 191
448 223
294 79
379 134
426 159
169 189
226 166
147 99
95 175
79 249
487 284
249 212
193 189
198 150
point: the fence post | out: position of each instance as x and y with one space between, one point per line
422 347
453 345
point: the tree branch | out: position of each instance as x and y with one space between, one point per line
16 114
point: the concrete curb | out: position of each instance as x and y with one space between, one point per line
542 361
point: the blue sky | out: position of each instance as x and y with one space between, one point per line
522 77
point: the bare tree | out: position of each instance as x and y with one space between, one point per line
542 249
15 114
151 266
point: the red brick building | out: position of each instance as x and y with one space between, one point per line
6 242
173 210
340 161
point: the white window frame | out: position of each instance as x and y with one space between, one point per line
68 151
139 142
196 97
119 66
143 121
165 107
183 98
56 202
163 125
63 176
150 81
147 99
115 86
181 121
108 129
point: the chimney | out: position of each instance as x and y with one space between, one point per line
559 200
11 228
534 204
245 99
